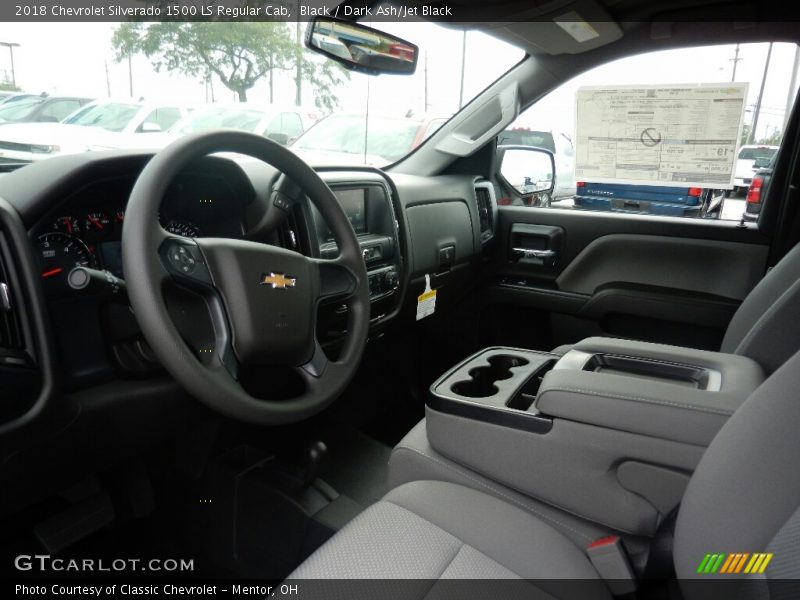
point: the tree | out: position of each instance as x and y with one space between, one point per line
773 139
745 134
239 54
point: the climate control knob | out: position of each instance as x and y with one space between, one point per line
392 280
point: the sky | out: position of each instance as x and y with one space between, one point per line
62 58
72 59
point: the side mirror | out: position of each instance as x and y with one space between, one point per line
281 138
150 127
526 170
361 48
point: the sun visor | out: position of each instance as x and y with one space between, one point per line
573 28
478 125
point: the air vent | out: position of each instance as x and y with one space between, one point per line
288 233
484 193
10 334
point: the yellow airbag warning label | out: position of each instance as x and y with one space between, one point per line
426 301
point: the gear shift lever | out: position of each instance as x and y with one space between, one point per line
317 453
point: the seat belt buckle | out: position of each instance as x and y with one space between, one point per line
610 560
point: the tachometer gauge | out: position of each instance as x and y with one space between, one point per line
96 225
60 253
184 228
66 224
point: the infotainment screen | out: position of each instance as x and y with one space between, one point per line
354 204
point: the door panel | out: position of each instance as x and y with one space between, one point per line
675 281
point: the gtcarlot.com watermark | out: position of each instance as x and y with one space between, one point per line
44 563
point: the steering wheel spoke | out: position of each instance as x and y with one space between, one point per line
185 263
336 280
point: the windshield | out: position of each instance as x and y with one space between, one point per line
756 153
112 116
16 111
206 68
387 139
220 118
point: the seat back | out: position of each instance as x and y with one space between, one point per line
744 496
766 326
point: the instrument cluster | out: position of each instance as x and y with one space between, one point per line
90 240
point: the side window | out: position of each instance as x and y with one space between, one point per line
56 111
291 124
674 133
160 119
286 123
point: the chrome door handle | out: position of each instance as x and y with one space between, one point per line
531 253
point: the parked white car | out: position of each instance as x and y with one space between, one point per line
340 138
99 125
556 142
282 124
746 164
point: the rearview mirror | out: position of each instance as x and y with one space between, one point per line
361 48
527 170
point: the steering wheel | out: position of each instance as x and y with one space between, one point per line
262 299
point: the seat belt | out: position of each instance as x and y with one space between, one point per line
610 560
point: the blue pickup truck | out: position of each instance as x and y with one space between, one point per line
662 200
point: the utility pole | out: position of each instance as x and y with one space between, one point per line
463 62
735 60
425 109
108 81
11 46
792 83
760 96
130 75
298 98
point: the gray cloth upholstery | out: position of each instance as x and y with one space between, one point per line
431 530
743 497
747 485
766 326
414 459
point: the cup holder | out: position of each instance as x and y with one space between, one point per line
482 379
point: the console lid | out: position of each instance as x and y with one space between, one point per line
668 392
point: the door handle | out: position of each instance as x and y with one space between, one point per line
531 253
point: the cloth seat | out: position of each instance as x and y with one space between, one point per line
743 498
432 530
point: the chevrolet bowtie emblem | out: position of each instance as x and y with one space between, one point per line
278 281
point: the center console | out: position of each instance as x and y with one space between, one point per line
610 431
366 200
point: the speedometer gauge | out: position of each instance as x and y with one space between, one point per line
61 252
183 228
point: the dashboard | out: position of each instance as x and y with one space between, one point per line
85 229
411 230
